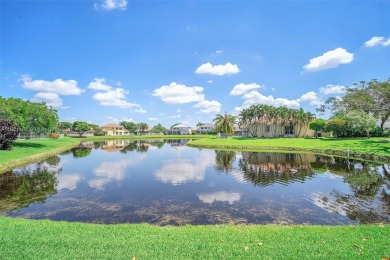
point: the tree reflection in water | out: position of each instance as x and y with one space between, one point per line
29 186
224 160
263 169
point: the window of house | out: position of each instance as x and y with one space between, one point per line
289 130
268 129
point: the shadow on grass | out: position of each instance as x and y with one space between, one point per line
27 145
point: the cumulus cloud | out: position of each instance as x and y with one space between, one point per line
98 84
329 60
110 5
51 99
218 52
219 70
177 172
179 94
207 106
254 97
58 86
153 119
312 98
117 98
377 40
68 181
332 89
222 196
244 88
175 116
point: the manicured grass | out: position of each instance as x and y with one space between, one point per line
31 239
27 151
373 148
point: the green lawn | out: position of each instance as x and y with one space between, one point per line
32 239
373 148
27 151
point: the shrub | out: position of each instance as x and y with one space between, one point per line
54 135
8 134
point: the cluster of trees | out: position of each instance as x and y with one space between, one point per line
359 109
265 114
142 127
31 117
19 116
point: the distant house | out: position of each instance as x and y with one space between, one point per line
279 130
204 128
114 129
240 131
180 129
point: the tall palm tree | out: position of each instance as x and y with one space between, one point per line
224 123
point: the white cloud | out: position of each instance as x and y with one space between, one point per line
254 97
113 119
219 70
98 84
51 99
244 88
210 81
153 119
332 89
117 98
112 5
312 98
222 196
175 116
68 181
329 60
59 86
209 106
218 52
126 119
179 94
377 40
179 171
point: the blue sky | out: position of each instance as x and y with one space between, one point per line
185 61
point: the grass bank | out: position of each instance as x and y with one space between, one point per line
42 239
142 137
371 149
28 151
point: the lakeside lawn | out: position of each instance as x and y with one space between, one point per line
43 239
378 147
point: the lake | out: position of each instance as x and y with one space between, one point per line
165 182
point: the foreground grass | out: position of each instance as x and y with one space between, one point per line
32 239
373 148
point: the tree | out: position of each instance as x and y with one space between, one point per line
80 127
338 126
8 134
30 117
131 126
158 129
64 125
142 127
97 130
318 125
224 123
361 119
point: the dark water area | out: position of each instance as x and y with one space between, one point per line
164 182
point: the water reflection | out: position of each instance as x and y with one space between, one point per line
165 182
263 169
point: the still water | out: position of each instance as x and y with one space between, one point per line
164 182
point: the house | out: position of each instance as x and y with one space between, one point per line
114 129
204 128
280 130
180 129
240 131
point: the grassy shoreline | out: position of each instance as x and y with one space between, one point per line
42 239
373 149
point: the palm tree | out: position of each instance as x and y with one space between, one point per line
224 123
